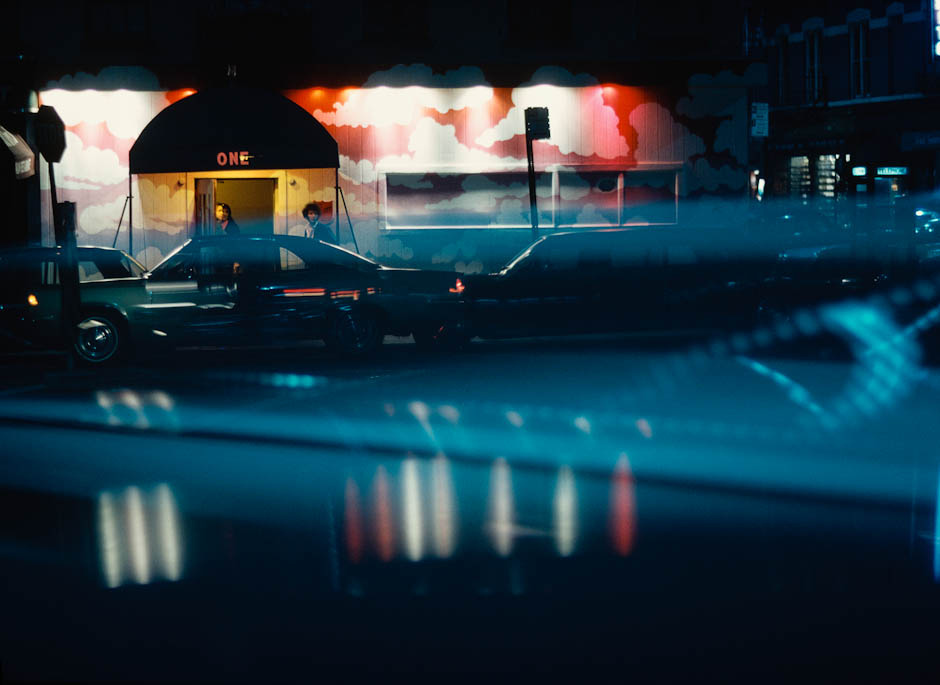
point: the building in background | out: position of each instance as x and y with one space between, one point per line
854 140
648 108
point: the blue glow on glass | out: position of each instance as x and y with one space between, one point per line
936 535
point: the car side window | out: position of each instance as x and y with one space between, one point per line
559 258
291 261
89 271
179 267
49 272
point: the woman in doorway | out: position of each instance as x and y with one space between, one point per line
223 215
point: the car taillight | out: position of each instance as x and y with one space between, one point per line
458 287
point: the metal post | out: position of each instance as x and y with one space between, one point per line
533 209
336 204
130 216
56 229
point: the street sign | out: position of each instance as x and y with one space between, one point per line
760 119
536 123
50 134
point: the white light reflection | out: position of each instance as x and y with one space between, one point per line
502 514
443 508
450 413
137 535
583 425
108 541
146 544
412 524
565 509
168 532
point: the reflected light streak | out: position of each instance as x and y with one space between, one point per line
384 533
502 515
565 509
444 509
108 541
514 418
168 532
936 535
644 427
353 522
583 425
137 535
412 524
622 508
450 413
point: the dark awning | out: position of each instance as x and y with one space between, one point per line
24 159
233 128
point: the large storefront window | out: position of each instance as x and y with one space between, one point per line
567 198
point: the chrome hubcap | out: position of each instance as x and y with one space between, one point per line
96 340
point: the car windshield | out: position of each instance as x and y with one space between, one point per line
602 342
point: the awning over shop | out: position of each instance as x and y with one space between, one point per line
24 159
233 128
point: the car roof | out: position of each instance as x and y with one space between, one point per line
40 250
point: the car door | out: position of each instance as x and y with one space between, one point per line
192 295
292 299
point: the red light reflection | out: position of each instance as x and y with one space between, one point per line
622 508
383 531
353 522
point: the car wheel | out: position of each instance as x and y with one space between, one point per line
100 338
354 332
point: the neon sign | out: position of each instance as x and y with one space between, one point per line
892 170
859 171
233 158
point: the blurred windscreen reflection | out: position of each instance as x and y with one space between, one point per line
139 536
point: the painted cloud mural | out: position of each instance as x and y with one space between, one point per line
429 161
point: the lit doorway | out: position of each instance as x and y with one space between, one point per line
250 199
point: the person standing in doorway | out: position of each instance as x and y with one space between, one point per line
315 229
223 215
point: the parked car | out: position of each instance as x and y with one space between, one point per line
617 280
112 284
220 290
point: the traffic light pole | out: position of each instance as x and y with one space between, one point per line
536 128
533 205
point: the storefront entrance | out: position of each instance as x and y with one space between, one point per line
251 201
